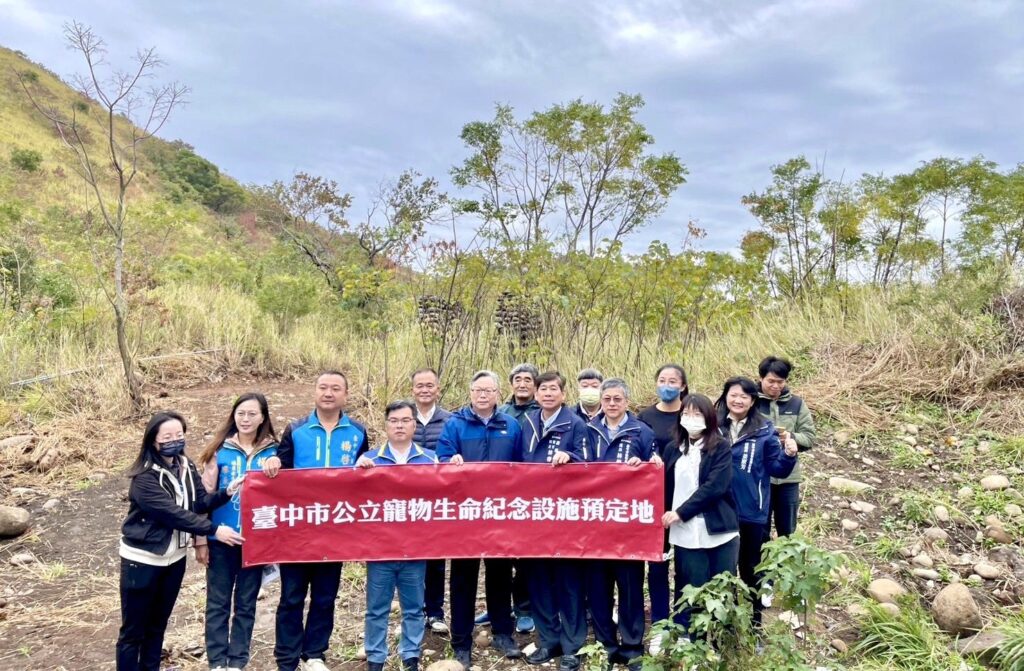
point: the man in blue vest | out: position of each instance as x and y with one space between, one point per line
327 438
430 418
479 432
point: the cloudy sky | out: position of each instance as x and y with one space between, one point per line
358 91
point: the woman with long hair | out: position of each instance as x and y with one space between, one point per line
700 513
167 505
757 457
244 441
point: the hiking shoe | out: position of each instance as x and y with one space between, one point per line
569 663
437 625
524 624
506 646
482 619
541 655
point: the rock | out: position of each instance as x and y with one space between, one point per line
842 437
982 646
911 429
862 507
850 525
445 665
987 571
955 610
998 534
936 534
892 609
23 492
848 486
13 521
51 504
790 618
885 590
23 559
923 560
909 440
941 513
839 645
995 482
965 492
868 461
483 639
856 610
22 442
984 447
994 521
1013 510
361 653
97 477
925 573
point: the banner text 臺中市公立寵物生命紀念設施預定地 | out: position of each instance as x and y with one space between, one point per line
583 511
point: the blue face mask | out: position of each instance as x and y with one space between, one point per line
171 448
667 393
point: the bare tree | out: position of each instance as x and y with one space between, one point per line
398 217
131 114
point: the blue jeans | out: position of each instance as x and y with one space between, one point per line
382 577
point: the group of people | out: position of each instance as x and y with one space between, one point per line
730 466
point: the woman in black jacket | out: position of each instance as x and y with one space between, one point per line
701 515
167 504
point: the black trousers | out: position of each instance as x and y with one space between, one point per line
556 594
785 504
751 539
465 574
148 594
227 583
295 642
521 588
434 588
697 567
604 576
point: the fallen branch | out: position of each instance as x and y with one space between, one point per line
44 379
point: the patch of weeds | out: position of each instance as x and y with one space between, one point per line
50 572
83 485
987 502
911 640
886 548
1010 654
816 526
905 456
917 507
1009 452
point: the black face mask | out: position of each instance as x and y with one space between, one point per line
171 448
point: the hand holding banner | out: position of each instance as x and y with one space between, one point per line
582 511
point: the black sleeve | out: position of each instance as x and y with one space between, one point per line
286 449
152 499
717 485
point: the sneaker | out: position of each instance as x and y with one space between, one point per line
411 664
482 619
569 663
218 668
234 668
507 647
768 597
524 624
463 658
314 665
541 655
437 625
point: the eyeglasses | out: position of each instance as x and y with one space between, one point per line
483 392
397 421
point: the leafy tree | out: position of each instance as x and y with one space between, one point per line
994 217
942 180
398 217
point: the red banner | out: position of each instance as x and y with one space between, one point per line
587 511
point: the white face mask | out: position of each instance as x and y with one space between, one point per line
694 425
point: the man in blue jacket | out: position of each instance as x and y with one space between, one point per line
327 438
555 435
383 577
616 436
430 417
479 432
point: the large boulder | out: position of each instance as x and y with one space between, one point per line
13 521
995 482
955 610
885 590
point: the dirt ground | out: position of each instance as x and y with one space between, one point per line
62 613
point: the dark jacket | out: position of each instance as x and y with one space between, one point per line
154 514
582 414
713 498
426 435
518 412
789 412
568 433
634 439
307 444
757 457
500 439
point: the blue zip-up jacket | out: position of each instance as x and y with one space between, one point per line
634 439
568 433
232 462
464 433
306 444
382 456
757 457
427 434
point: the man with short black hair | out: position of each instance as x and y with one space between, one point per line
792 418
430 418
327 438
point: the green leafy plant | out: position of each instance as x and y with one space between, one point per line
1010 654
595 657
798 571
28 160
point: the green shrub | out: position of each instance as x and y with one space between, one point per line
288 297
28 160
